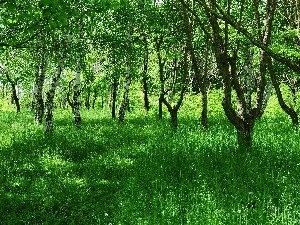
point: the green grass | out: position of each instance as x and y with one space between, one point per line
141 172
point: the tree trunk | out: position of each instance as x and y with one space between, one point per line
200 83
244 135
63 101
145 76
204 118
95 95
14 95
50 100
160 106
32 106
293 88
161 64
76 95
124 104
39 85
288 110
114 97
174 119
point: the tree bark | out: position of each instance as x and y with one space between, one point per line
173 110
115 85
32 106
244 118
125 100
50 100
145 76
161 64
160 106
200 80
244 135
76 95
13 92
95 96
288 110
38 90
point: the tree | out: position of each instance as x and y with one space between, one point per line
226 49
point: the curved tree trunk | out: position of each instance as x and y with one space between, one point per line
288 110
15 97
14 92
200 79
244 118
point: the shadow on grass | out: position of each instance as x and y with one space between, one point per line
141 172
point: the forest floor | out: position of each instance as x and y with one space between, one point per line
141 172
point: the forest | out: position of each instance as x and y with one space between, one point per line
149 112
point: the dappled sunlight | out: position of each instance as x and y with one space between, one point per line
106 171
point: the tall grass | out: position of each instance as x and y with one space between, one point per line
141 172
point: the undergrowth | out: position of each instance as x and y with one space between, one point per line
141 172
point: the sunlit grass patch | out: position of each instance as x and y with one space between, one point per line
142 172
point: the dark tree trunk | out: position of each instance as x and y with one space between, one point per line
203 118
173 110
114 97
14 95
174 120
76 105
125 101
95 96
244 135
160 106
243 119
200 81
288 110
161 64
145 91
76 95
145 76
128 105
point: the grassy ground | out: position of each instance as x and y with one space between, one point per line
141 172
